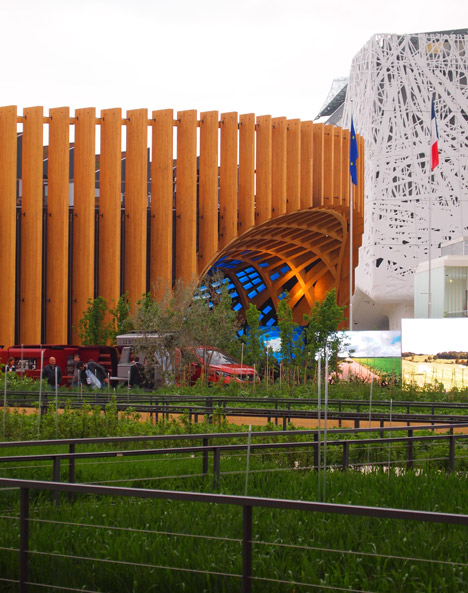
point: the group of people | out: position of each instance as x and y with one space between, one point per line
90 374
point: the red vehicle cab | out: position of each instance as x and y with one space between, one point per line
28 358
221 367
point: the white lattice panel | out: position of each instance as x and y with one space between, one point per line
389 95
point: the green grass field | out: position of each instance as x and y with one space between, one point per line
387 365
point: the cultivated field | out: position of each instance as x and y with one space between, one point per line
417 369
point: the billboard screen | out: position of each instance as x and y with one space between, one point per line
435 352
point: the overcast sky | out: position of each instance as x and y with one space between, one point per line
249 56
430 336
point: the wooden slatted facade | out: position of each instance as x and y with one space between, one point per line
181 195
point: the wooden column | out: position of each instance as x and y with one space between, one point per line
246 172
293 178
186 197
278 169
8 223
328 160
337 166
208 189
162 202
318 164
307 153
83 214
264 160
228 179
57 227
136 204
110 204
31 228
345 176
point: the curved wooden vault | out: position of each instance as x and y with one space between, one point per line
258 197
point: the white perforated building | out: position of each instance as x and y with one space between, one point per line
392 81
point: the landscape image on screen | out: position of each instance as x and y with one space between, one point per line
371 355
435 352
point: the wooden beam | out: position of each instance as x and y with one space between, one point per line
208 189
136 204
31 228
110 205
186 197
8 157
57 227
83 215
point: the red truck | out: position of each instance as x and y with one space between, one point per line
28 358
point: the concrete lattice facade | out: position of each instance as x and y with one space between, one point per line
392 81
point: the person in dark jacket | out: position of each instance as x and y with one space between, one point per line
50 371
137 377
98 371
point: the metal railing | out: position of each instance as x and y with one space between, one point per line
247 504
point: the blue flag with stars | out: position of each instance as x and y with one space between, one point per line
353 155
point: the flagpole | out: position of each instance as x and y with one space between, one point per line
429 293
434 163
351 259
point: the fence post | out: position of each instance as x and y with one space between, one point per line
247 549
409 463
71 468
316 451
24 541
205 456
56 478
216 466
209 409
451 451
345 455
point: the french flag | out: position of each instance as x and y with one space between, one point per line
434 138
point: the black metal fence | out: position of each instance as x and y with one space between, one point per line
244 503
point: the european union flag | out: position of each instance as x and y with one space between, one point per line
353 155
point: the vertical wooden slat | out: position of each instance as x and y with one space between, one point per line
186 197
318 189
278 170
293 178
208 189
31 227
110 204
8 223
328 166
264 159
162 202
136 204
345 176
57 227
83 214
228 179
307 153
246 172
337 166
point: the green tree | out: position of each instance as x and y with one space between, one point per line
182 319
122 320
291 346
253 339
93 327
321 332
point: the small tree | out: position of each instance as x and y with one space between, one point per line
321 332
122 321
253 340
93 327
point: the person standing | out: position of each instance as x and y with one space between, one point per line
51 370
76 370
10 366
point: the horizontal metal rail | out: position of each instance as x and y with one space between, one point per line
246 503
